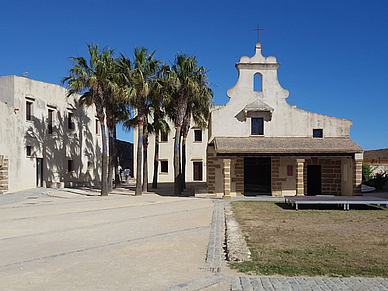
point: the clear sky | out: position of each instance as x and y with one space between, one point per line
334 54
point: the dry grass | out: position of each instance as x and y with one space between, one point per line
313 241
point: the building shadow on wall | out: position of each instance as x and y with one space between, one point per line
68 151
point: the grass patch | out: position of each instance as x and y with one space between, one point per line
313 242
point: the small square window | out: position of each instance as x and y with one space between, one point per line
197 135
163 136
70 123
164 166
29 151
70 166
28 110
317 132
257 127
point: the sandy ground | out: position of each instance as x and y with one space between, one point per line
70 241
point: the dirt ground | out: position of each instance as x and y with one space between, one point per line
314 241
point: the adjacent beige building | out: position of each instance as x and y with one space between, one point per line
260 144
46 139
196 145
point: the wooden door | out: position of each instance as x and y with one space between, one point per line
197 171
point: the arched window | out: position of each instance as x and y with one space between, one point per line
257 82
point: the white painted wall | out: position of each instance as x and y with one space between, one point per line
287 120
80 144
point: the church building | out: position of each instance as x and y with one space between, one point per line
260 144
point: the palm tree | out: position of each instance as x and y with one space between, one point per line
94 80
139 77
189 81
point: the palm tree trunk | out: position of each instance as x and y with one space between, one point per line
156 161
184 162
104 188
145 163
139 159
115 162
111 161
182 106
180 163
177 178
185 132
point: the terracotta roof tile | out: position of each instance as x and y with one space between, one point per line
285 145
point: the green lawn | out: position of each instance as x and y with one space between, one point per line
313 242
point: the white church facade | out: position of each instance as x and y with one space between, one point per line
258 143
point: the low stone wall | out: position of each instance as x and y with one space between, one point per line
236 246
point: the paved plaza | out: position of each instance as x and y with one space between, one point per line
75 240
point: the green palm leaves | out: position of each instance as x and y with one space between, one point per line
95 81
142 93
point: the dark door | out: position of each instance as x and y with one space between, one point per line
197 171
39 172
314 180
257 176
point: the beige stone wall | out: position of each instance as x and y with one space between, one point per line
214 173
283 184
347 176
3 174
330 173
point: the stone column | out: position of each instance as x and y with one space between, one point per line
3 174
227 180
299 175
276 181
239 176
211 170
357 176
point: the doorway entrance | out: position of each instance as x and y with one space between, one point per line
197 171
314 183
257 176
39 172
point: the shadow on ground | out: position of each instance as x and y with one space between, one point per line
287 206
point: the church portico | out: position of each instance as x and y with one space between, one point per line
282 175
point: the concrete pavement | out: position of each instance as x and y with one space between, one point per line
75 240
69 241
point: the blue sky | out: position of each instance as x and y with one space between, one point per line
333 53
